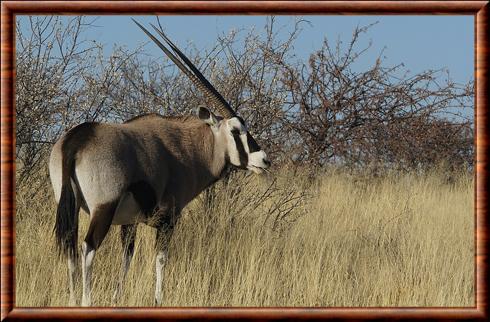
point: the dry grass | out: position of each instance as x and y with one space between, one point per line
341 240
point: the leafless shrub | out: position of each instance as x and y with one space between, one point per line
316 113
240 195
382 116
61 80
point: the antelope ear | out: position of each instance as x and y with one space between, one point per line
206 116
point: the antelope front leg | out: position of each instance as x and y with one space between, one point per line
160 261
128 234
162 239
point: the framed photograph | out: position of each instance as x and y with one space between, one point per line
244 159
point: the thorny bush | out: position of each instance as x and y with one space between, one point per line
324 111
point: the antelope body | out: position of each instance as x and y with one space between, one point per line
143 171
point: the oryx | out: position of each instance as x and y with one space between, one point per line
145 170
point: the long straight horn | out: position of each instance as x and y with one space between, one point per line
193 73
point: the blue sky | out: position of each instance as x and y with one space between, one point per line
420 42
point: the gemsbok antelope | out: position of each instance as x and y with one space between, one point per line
145 170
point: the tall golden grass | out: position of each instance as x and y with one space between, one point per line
286 240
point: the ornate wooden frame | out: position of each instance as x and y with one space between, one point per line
480 10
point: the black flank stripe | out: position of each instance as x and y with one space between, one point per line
144 194
241 150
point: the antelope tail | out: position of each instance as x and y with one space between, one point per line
66 226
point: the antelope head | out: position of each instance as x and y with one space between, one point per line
240 148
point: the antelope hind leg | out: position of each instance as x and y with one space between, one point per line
100 223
